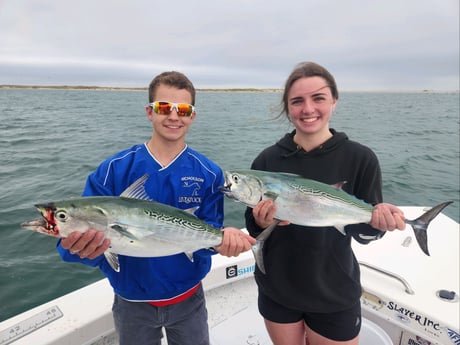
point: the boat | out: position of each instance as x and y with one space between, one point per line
408 298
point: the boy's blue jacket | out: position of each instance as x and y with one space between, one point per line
190 180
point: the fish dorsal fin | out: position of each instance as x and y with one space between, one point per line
288 174
192 210
112 259
339 185
137 190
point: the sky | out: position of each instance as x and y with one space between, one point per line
368 45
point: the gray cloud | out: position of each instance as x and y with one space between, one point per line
379 45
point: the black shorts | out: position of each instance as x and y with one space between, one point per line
340 326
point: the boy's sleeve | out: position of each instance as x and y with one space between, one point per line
68 257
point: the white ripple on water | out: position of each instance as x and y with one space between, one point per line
29 259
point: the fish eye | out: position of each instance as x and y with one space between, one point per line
236 178
61 215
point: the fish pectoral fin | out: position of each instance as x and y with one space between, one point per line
123 230
189 256
271 195
136 190
112 259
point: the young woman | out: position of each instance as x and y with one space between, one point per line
312 284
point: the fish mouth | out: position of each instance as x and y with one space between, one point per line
45 224
227 190
39 224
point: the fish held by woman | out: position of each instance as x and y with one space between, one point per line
307 202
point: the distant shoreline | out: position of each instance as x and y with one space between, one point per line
144 89
116 88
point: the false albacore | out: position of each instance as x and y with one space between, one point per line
311 203
135 225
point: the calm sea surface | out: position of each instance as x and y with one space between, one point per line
50 140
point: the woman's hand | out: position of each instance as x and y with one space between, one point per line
264 214
387 217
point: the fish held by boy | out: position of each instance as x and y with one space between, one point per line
307 202
135 225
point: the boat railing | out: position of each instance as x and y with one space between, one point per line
403 281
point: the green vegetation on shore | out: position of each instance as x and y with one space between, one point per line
144 89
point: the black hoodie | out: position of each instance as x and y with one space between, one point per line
313 269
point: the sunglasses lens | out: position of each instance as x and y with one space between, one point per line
184 109
163 108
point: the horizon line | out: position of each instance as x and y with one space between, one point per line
208 89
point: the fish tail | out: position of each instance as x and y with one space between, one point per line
258 247
420 225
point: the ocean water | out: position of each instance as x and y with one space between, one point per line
50 140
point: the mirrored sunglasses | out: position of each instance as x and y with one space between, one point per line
165 108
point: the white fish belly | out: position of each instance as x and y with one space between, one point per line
320 211
162 241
